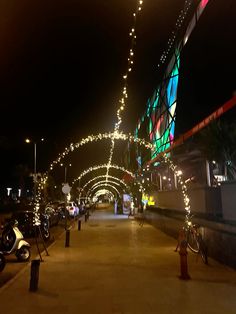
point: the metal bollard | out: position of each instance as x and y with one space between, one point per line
34 275
79 224
67 244
183 260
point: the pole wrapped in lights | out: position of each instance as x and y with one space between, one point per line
178 173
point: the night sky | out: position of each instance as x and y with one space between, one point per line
62 62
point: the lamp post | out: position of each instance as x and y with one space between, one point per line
65 177
28 141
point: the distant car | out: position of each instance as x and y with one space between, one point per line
59 208
73 209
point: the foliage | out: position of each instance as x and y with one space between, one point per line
218 142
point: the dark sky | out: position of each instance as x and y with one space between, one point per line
62 62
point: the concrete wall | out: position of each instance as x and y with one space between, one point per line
205 200
228 196
220 238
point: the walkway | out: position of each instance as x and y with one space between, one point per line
115 266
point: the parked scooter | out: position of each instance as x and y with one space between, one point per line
12 242
2 261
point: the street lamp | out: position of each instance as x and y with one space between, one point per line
69 165
28 141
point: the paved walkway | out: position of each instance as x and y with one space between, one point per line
115 266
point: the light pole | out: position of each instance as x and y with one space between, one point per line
65 177
28 141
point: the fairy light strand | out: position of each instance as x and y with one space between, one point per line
115 135
99 137
97 167
179 22
183 186
102 185
124 96
103 176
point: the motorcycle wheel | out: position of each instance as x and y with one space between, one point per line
23 254
45 232
2 262
46 235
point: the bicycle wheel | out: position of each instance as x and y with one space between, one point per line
203 249
193 243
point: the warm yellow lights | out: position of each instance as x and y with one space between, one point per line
178 173
94 138
107 185
104 176
117 134
98 167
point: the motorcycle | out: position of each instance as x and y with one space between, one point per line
2 261
12 241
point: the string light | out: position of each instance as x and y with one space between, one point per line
178 25
94 138
124 96
183 186
109 181
116 134
38 199
102 191
103 176
97 167
102 185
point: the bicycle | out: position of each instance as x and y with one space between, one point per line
191 232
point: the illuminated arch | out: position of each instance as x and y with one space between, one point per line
104 181
103 176
104 185
103 191
115 134
94 138
97 167
90 169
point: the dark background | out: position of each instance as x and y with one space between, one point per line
61 68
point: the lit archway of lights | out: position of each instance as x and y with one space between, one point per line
107 185
103 176
97 167
122 101
103 181
94 138
102 192
94 168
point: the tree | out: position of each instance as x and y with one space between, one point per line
218 142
